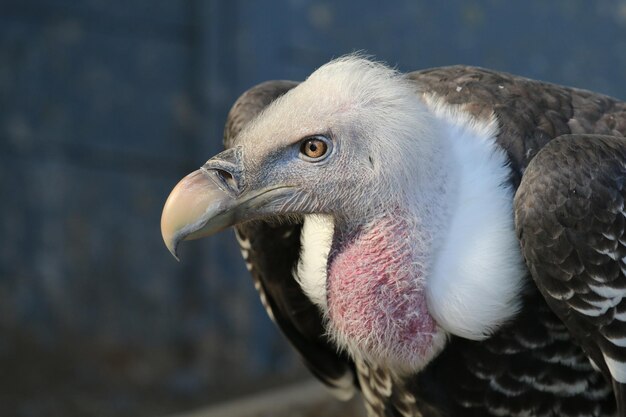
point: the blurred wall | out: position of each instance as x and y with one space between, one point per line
104 105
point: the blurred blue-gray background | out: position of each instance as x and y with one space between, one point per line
105 105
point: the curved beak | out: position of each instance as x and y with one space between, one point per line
213 198
196 207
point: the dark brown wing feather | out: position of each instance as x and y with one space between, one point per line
571 221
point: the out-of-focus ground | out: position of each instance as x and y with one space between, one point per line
306 399
105 105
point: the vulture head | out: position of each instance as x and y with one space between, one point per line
358 155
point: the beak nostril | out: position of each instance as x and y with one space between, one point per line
228 178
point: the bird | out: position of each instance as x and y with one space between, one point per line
447 242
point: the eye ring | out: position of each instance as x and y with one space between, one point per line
315 148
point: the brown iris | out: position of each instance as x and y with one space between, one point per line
314 148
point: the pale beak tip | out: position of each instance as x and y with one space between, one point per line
170 238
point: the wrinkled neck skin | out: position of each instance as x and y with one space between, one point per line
377 272
439 259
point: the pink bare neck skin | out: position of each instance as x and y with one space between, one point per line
376 297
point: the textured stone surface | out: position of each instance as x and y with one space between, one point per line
105 105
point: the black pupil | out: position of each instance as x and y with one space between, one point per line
314 148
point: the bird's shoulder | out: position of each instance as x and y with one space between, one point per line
529 113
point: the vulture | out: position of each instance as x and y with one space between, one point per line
449 242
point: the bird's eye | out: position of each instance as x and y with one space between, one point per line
315 148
